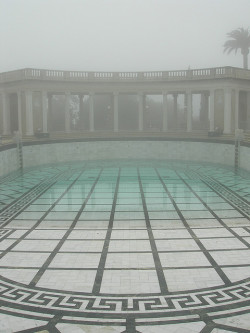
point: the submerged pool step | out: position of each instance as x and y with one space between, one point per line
17 206
242 205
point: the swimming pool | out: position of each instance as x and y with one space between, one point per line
126 244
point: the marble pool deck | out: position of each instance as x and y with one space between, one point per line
145 249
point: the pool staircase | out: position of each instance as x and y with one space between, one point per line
18 139
236 155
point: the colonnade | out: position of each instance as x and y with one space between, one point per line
218 108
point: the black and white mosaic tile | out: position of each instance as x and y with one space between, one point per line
146 247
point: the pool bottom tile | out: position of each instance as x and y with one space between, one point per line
153 236
130 282
189 279
68 280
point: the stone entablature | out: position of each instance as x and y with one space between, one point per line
203 99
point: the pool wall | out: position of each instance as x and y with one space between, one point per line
196 151
8 160
245 158
46 153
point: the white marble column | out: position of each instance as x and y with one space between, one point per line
236 119
165 112
115 106
204 107
67 112
19 112
175 112
29 113
140 111
81 112
6 113
211 110
44 111
227 110
91 112
248 111
49 116
189 111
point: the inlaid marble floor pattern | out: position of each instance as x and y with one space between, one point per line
150 248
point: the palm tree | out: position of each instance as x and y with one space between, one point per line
240 40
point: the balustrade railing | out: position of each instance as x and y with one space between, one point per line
59 75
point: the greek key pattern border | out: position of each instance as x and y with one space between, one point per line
82 304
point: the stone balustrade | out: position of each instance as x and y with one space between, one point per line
190 74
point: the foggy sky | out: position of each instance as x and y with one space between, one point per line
119 35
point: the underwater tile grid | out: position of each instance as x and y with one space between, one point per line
142 246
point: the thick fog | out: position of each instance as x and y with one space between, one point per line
119 35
